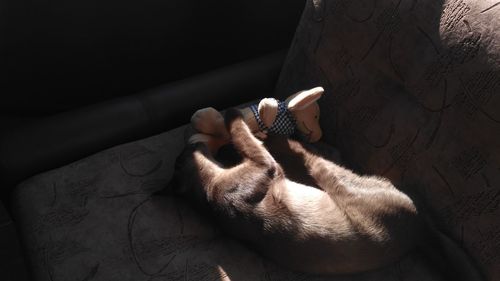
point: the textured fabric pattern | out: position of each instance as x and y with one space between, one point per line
95 219
284 124
412 92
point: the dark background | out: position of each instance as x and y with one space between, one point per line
59 55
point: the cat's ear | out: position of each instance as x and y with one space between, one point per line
268 109
303 99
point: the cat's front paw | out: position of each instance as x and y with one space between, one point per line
208 121
213 143
200 138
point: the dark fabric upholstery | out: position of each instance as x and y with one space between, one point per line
64 55
13 266
412 93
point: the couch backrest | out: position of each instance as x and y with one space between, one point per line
61 55
413 94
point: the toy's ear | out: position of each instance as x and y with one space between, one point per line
268 109
303 99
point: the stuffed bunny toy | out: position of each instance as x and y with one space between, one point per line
299 113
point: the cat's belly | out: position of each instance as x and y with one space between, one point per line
317 213
324 240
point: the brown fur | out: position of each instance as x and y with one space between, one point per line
308 214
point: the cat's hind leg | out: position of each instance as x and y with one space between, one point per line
329 176
350 191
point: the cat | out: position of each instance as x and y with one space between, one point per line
307 214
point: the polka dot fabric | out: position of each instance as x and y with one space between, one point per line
284 124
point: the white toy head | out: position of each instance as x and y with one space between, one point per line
304 108
306 112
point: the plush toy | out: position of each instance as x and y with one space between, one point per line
298 113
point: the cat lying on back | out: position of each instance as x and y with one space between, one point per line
308 214
351 224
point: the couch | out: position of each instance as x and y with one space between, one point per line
411 93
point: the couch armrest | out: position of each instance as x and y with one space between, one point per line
69 136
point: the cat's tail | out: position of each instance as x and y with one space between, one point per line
451 261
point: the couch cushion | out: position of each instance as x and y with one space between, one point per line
96 219
412 93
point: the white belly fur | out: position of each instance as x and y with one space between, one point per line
315 209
